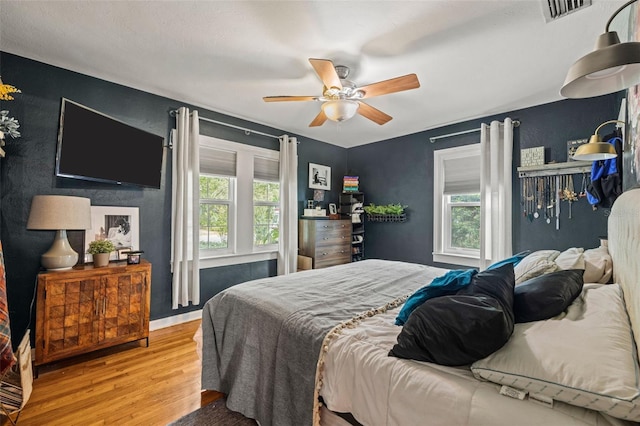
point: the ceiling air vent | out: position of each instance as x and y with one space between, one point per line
554 9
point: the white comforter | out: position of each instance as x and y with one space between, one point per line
360 378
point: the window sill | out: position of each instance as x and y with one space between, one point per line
456 259
236 259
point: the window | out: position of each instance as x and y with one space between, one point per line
239 202
266 202
216 201
457 205
266 212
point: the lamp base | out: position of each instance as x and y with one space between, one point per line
60 256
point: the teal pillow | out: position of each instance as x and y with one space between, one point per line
514 260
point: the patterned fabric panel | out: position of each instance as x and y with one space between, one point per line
7 358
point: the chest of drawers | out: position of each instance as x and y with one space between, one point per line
327 242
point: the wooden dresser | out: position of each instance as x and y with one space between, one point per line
86 308
327 242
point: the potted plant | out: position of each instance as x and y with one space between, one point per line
386 213
100 250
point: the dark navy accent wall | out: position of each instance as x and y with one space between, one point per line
401 171
393 171
28 169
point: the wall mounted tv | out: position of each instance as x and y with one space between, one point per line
93 146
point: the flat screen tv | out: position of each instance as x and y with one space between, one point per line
96 147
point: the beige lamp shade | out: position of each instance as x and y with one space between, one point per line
59 213
54 212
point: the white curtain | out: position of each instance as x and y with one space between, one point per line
496 146
184 210
288 246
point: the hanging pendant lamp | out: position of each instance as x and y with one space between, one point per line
611 67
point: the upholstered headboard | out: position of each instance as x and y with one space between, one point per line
624 247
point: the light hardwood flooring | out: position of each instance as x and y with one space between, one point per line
126 385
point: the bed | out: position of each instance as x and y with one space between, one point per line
296 349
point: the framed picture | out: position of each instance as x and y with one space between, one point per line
631 146
333 209
119 225
319 177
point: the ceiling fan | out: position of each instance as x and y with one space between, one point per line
342 99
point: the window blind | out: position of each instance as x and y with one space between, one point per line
266 169
217 161
462 175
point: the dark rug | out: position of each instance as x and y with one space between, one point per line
214 414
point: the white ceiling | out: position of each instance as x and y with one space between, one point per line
473 58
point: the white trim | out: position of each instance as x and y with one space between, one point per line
241 209
236 259
237 147
175 320
439 206
456 260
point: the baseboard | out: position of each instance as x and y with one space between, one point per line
175 320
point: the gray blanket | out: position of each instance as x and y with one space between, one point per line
262 339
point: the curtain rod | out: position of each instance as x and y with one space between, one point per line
246 130
516 123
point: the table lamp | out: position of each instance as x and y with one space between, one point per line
59 213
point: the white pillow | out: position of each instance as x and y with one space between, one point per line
537 263
598 265
584 357
572 258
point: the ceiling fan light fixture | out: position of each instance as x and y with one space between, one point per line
340 109
612 66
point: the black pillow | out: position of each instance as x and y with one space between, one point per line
462 328
547 295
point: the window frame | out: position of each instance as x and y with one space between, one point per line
231 204
442 250
241 248
448 230
273 246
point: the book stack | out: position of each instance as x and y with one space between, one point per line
350 184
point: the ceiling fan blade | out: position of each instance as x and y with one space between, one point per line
373 114
398 84
319 120
327 72
289 98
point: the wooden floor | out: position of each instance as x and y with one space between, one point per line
127 385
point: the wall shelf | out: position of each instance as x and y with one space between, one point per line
555 169
387 217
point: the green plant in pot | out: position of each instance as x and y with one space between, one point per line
100 250
386 212
395 209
